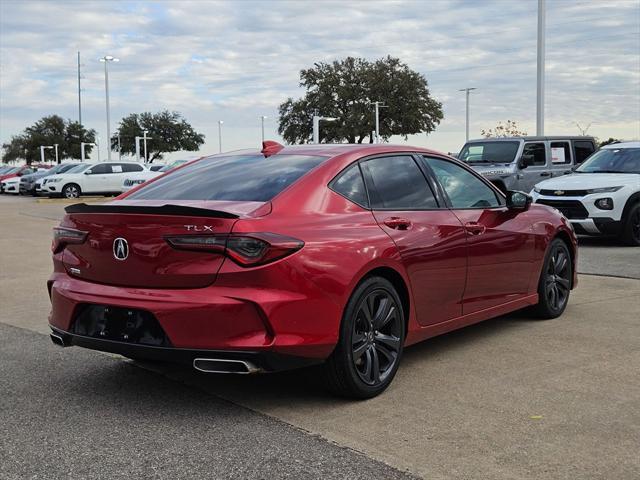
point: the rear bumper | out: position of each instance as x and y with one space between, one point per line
261 322
263 361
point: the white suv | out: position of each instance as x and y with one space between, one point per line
103 178
602 196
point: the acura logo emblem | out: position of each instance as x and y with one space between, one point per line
120 249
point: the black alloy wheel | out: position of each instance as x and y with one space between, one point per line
554 287
371 341
631 227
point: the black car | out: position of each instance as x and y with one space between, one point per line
28 182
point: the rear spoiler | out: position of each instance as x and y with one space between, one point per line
176 210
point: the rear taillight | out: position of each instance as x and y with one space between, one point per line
66 236
247 250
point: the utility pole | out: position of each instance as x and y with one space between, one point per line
467 90
316 126
540 75
79 94
376 138
220 122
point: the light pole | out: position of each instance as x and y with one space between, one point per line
262 118
144 139
540 69
119 149
106 59
220 122
316 126
56 147
378 107
467 90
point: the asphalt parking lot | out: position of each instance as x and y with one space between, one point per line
508 398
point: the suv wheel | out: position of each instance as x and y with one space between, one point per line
554 285
630 233
71 191
368 352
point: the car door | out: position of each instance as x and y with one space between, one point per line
534 156
124 171
96 178
429 237
561 158
500 241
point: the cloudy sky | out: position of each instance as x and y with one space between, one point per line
237 60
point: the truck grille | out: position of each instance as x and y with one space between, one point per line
569 208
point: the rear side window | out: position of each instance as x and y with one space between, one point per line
101 168
350 185
536 152
582 150
235 178
560 153
397 183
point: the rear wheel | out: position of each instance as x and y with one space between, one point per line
368 352
71 191
554 286
630 233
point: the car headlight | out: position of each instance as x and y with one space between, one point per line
536 189
603 190
53 180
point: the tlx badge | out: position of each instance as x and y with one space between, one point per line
199 228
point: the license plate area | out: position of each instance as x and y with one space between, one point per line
119 324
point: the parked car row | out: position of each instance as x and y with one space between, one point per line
72 180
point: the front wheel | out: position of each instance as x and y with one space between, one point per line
71 191
554 285
630 233
371 341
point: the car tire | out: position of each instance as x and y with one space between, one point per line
556 277
71 191
371 342
630 233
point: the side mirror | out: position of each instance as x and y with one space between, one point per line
19 174
525 162
518 200
87 172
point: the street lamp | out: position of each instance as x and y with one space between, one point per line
42 149
316 126
220 122
82 144
262 118
106 59
378 107
144 139
56 146
467 110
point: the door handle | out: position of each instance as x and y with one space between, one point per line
545 174
397 223
474 228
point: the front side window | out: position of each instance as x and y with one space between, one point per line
101 169
249 177
560 153
534 154
463 188
582 150
350 184
398 184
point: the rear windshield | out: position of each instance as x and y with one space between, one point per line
489 152
236 178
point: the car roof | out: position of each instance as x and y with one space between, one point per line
622 145
532 138
334 149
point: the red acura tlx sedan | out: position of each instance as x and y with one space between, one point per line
258 261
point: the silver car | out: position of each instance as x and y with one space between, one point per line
518 163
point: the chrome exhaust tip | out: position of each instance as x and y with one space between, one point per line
57 340
220 365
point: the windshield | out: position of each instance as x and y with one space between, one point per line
252 178
489 152
65 167
612 160
78 168
11 170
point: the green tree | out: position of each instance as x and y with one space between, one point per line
169 132
48 131
509 129
608 142
346 89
